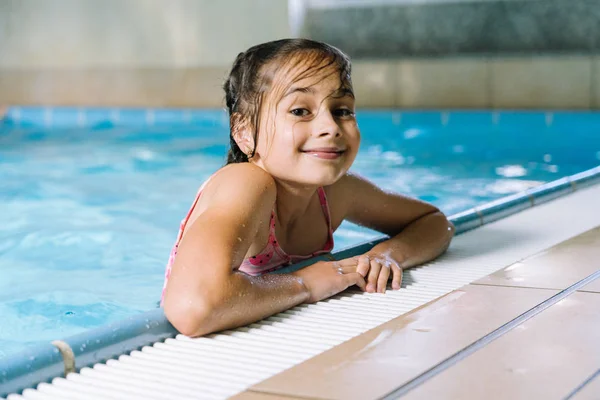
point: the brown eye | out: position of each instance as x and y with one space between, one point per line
343 112
300 112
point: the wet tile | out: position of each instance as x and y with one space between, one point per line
593 286
380 360
556 268
251 395
545 357
374 83
453 83
541 82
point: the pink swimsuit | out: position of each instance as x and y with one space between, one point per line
271 258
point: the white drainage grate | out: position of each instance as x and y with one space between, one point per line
222 365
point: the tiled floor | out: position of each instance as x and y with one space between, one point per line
440 351
591 391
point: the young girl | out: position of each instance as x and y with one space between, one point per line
284 191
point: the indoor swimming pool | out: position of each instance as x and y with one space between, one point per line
91 198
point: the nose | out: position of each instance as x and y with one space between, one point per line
326 124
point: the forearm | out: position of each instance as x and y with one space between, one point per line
243 300
421 241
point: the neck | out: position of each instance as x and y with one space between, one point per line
292 202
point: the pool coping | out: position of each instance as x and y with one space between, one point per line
32 116
42 363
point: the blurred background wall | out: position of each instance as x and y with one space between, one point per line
134 33
406 53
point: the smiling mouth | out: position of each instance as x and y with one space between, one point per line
325 153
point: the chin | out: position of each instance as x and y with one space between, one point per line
326 179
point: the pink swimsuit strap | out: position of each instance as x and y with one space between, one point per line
272 257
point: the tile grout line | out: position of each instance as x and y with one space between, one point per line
512 286
490 337
287 395
589 291
583 384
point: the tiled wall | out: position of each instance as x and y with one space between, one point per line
547 82
552 82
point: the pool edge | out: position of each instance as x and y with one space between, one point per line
43 363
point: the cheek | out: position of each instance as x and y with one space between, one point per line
279 147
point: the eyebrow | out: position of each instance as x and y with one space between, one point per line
341 92
299 89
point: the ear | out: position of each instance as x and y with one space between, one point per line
242 133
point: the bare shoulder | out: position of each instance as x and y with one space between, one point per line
240 181
346 184
240 191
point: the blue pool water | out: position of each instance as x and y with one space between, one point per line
90 202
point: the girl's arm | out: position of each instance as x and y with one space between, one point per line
418 231
205 293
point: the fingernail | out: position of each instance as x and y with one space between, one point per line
370 288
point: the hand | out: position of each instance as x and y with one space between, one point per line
376 268
323 279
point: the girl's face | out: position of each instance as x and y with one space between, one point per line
310 137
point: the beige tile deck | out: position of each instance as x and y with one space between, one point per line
250 395
593 286
590 391
377 362
557 268
546 357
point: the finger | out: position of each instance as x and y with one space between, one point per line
396 277
348 261
364 264
384 275
347 269
374 269
357 279
343 267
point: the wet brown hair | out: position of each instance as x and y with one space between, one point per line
253 73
